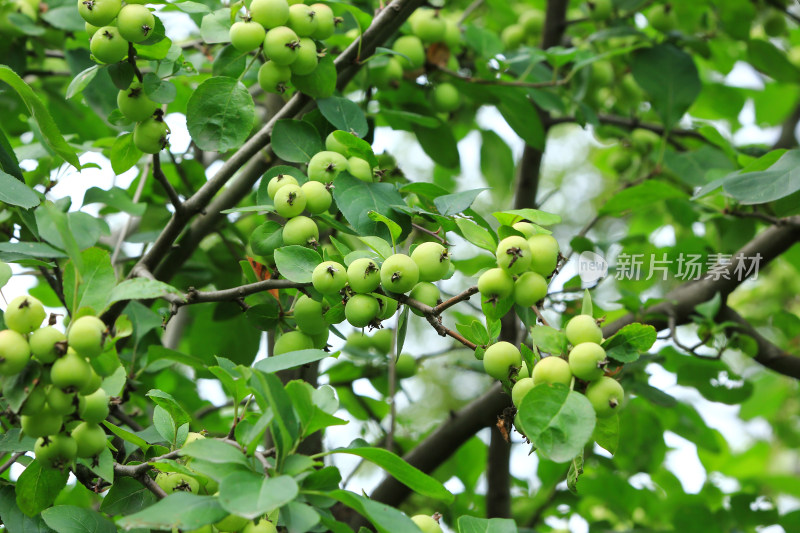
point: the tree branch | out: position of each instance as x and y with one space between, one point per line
158 174
631 123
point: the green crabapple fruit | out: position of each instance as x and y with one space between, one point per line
426 524
514 254
60 402
361 169
99 12
361 309
279 181
309 315
55 451
586 361
446 98
134 104
86 335
270 13
359 341
43 423
405 366
14 352
600 9
318 197
263 526
425 292
382 341
662 18
333 145
151 135
247 35
90 438
583 328
290 201
280 45
526 228
307 59
427 25
606 395
172 482
520 389
388 306
529 288
231 524
326 22
193 436
92 384
363 275
292 341
24 314
512 36
93 408
399 273
324 166
544 253
135 22
35 402
301 231
302 19
273 78
412 48
775 24
500 358
71 372
495 284
329 277
532 20
432 259
108 46
552 369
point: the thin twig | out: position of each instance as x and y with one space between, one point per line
5 466
539 315
136 196
450 302
158 174
132 61
434 234
506 83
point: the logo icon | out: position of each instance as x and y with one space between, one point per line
592 267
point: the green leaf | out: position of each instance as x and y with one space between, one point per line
14 520
182 510
15 192
403 472
710 308
557 420
73 519
356 147
97 279
439 143
299 517
523 118
764 56
124 155
550 340
60 222
167 402
220 114
642 196
477 235
33 249
296 263
229 62
629 342
497 164
114 197
394 228
574 472
586 306
214 451
670 76
38 486
485 42
402 325
126 496
269 392
319 84
296 141
542 218
140 289
8 159
290 360
47 126
251 495
356 198
473 524
344 114
779 181
453 204
386 519
158 90
216 26
606 433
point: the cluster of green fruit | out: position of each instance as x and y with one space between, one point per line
66 405
287 34
112 26
524 262
527 30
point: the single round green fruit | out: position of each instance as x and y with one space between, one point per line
662 18
280 45
71 373
99 12
302 19
388 306
532 20
193 436
446 98
92 384
90 438
290 201
405 366
514 254
361 169
318 197
382 341
270 13
326 22
151 135
231 524
324 166
425 292
35 401
279 181
361 310
359 341
172 482
600 9
307 58
495 284
135 23
93 408
292 341
426 524
775 24
585 361
14 352
552 370
55 451
301 231
24 314
329 277
274 78
333 145
529 288
526 228
513 36
412 48
60 402
133 103
399 273
606 395
364 275
544 254
263 526
86 336
583 328
433 261
41 424
427 25
108 46
309 315
247 36
500 358
521 388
